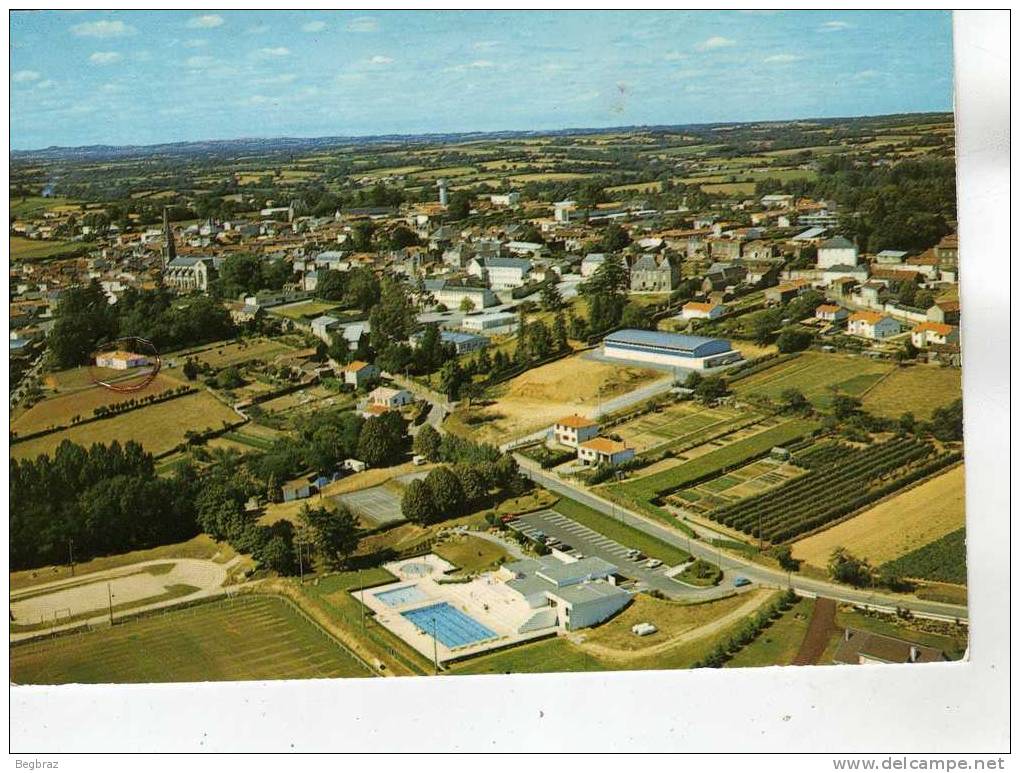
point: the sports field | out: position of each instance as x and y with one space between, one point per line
894 527
245 638
816 375
918 389
157 427
376 505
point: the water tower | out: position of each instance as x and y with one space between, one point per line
441 184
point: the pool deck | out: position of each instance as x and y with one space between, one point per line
485 599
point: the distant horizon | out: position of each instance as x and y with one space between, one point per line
137 78
473 132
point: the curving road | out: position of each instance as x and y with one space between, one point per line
734 566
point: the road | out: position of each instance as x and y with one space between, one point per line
733 566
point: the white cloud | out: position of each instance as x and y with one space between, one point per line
196 43
482 64
378 59
205 22
258 29
674 56
198 62
864 75
25 76
46 84
273 80
782 58
835 26
714 42
103 29
485 45
105 57
363 24
275 52
314 26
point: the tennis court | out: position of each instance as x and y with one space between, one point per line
378 505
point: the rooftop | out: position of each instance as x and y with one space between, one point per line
657 338
576 421
604 445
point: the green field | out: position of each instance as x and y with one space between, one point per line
32 206
680 424
546 656
246 638
778 644
23 249
816 375
651 486
944 560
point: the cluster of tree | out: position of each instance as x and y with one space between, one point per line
89 502
606 294
355 289
245 274
450 491
747 633
135 402
708 389
84 319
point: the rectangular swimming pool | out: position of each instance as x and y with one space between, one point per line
400 596
451 626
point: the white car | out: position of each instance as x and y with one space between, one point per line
653 563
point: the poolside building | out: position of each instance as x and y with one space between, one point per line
673 349
119 360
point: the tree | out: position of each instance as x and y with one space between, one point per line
459 205
636 316
334 533
277 555
794 401
711 388
615 238
416 504
466 304
330 285
559 333
848 568
428 443
382 441
190 369
363 289
606 294
924 299
451 377
392 319
472 483
947 421
551 298
402 237
845 406
446 492
229 378
793 340
361 235
907 423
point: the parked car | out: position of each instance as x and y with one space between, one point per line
550 541
740 582
653 563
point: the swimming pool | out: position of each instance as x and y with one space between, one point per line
452 627
400 596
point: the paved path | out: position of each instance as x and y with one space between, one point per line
733 565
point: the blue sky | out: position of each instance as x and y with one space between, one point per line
80 78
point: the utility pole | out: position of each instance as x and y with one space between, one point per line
301 564
70 553
109 593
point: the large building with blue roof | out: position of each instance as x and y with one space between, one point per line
673 349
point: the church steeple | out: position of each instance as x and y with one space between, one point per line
169 248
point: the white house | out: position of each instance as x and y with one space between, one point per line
871 324
928 333
387 397
698 310
837 251
511 199
501 273
562 210
358 373
603 451
119 360
481 323
574 429
777 201
323 327
830 312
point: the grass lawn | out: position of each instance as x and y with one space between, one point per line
36 205
235 352
919 389
23 249
625 535
546 656
471 554
305 311
651 486
157 427
778 644
816 374
249 637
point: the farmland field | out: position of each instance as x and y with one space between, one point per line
157 427
59 410
746 481
679 423
36 249
650 486
304 311
944 560
840 480
919 389
236 352
32 206
246 638
895 527
816 375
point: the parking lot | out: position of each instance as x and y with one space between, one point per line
591 543
377 505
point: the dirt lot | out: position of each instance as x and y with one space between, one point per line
537 398
157 427
893 527
919 389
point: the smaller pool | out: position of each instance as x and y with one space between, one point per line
417 569
400 596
